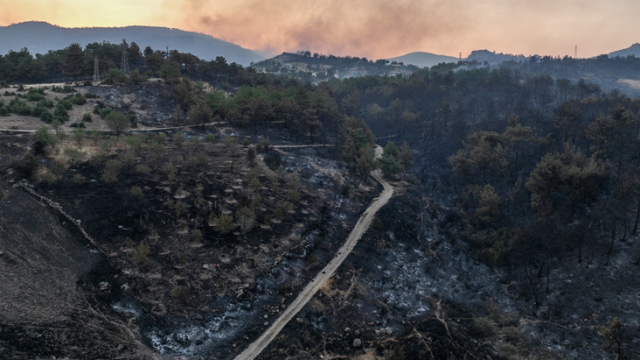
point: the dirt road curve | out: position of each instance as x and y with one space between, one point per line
138 129
361 227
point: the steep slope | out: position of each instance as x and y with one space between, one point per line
631 50
40 37
423 59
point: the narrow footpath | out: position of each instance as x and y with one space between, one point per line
307 294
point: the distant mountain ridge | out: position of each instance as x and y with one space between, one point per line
40 37
631 50
423 59
492 58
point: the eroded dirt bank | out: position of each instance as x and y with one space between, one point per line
48 306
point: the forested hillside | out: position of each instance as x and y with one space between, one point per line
42 37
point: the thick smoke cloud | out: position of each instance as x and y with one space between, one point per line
372 28
385 28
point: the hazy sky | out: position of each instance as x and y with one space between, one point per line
371 28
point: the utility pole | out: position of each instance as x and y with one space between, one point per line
125 63
576 52
96 70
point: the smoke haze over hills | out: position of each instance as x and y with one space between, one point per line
372 28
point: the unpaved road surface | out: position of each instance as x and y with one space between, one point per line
359 229
300 146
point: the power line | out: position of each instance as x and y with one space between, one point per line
96 70
125 63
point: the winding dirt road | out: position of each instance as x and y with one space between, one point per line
359 229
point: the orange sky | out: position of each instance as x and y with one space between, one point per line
371 28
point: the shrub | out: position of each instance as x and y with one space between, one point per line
104 112
484 326
38 111
246 219
262 145
210 138
110 174
180 294
45 104
87 117
78 133
78 179
160 138
133 119
143 169
251 155
292 180
136 191
133 141
65 104
80 100
43 136
255 183
272 159
282 207
74 156
223 224
141 252
117 122
34 96
180 208
63 90
57 169
201 159
61 114
178 139
394 354
197 234
293 195
230 141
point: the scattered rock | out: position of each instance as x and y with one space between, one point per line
104 286
239 294
265 317
266 323
183 339
300 321
357 342
159 310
